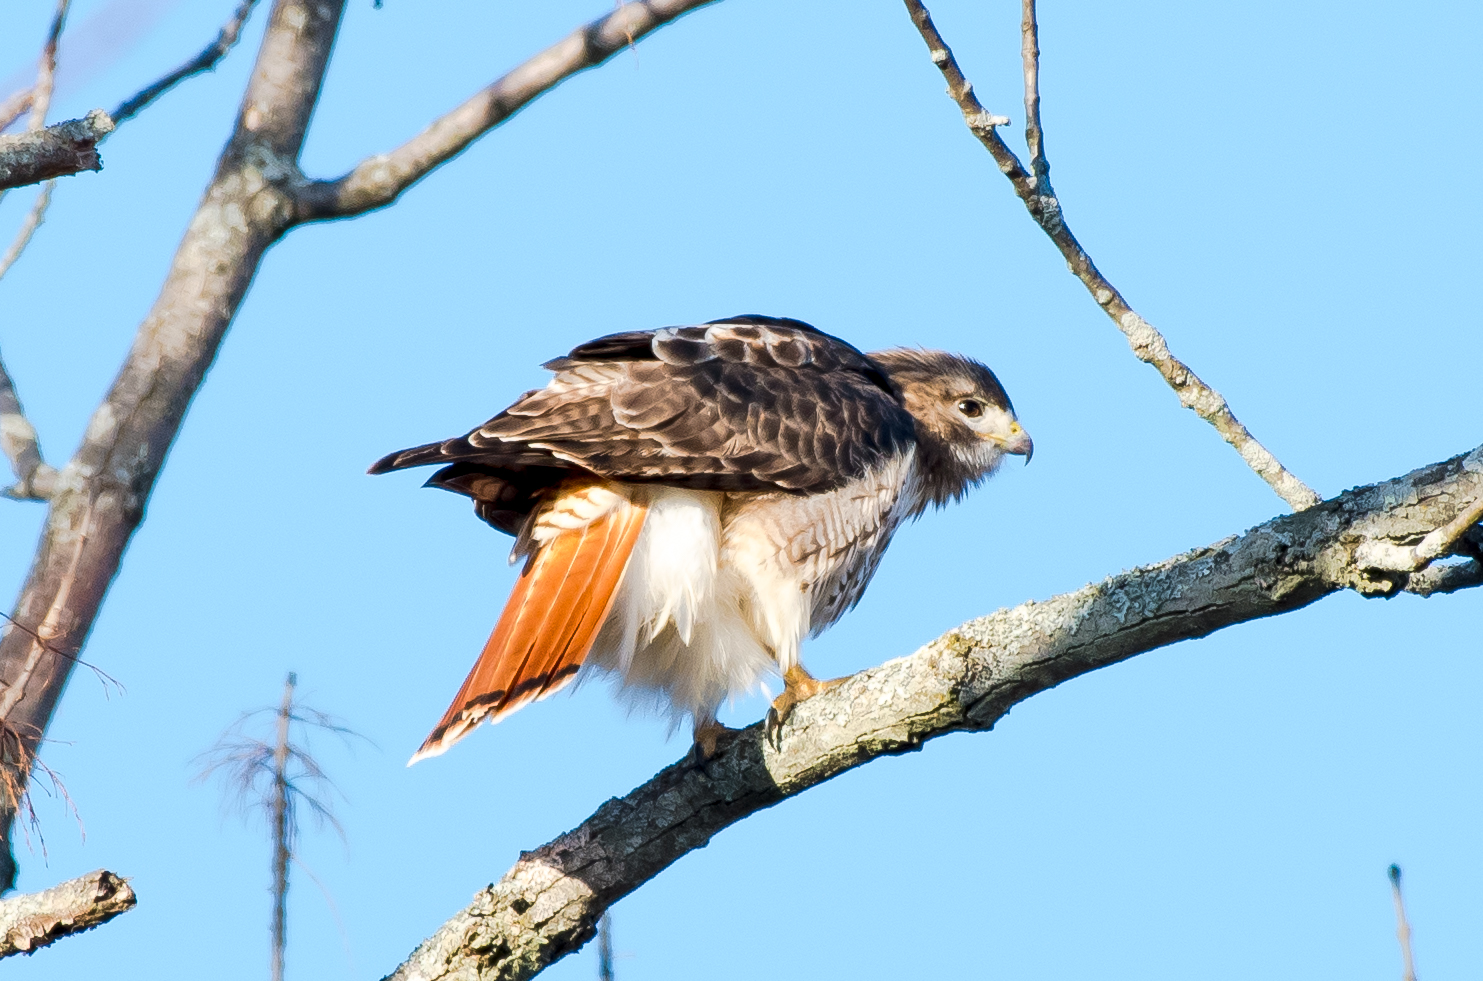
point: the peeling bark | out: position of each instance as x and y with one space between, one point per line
56 151
549 904
35 920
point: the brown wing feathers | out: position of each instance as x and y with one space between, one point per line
746 404
553 615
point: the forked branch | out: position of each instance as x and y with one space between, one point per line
549 904
257 195
378 181
1035 190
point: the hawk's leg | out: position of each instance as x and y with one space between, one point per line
707 732
798 684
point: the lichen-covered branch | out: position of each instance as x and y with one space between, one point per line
32 921
206 61
549 904
378 181
56 151
1040 200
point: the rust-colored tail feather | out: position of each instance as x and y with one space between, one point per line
553 615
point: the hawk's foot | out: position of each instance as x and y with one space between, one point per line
798 684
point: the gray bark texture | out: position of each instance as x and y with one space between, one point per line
549 904
56 151
257 194
32 921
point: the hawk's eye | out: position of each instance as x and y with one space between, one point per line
972 408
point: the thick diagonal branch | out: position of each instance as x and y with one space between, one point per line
32 921
99 497
549 904
378 181
1035 190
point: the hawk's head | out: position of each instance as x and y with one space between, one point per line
965 422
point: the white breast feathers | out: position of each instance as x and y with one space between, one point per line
721 588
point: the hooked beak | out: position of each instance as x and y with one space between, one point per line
1019 443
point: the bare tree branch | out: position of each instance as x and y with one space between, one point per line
32 221
35 920
99 497
548 905
1030 57
378 181
33 478
256 195
15 105
44 153
206 61
17 436
57 151
46 71
71 147
1403 926
1040 200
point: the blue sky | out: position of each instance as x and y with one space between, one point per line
1288 190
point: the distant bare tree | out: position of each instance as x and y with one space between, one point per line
280 778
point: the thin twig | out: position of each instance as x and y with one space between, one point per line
206 61
46 71
379 180
1040 200
34 479
49 627
15 106
1030 55
104 677
38 99
1403 927
33 221
18 441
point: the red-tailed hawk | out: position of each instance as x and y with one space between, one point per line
691 502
